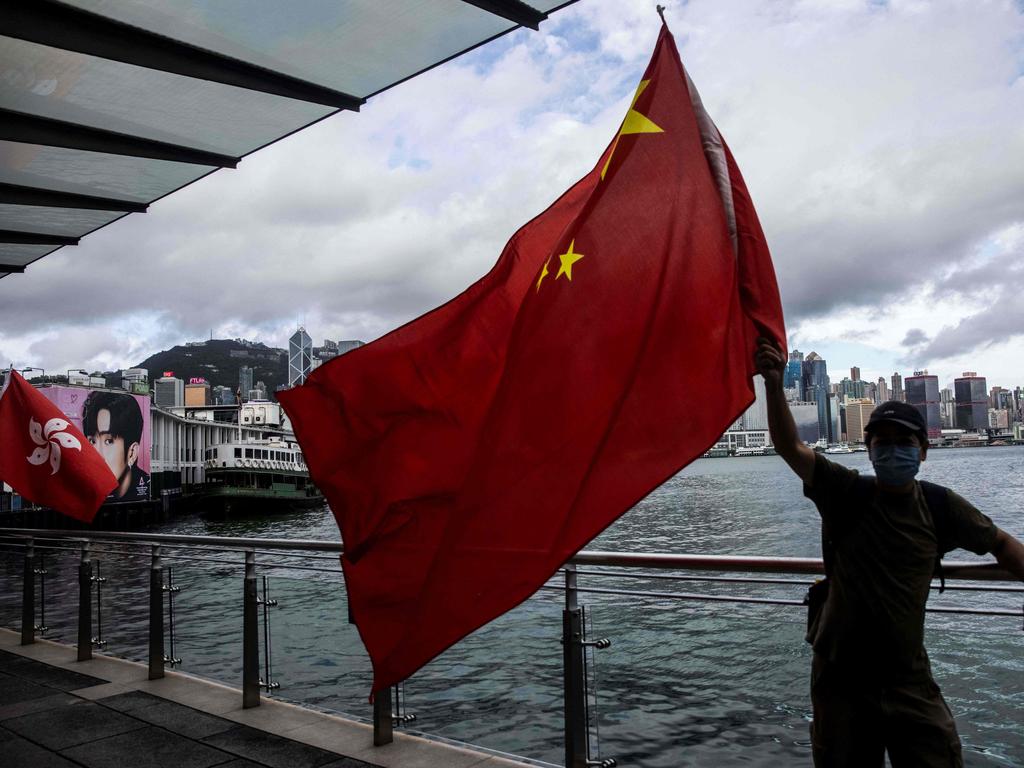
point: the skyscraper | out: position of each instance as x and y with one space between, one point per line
897 387
923 393
348 345
197 392
815 387
858 411
300 357
855 373
223 396
947 408
971 401
806 417
244 381
882 391
793 373
169 392
756 416
850 388
994 397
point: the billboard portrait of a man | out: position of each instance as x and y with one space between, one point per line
113 424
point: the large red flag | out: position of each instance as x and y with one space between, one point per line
46 458
470 453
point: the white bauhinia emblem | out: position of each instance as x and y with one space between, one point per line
50 439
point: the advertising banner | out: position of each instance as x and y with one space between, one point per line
117 424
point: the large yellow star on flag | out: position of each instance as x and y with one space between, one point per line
568 259
634 123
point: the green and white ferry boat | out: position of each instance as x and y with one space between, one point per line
258 477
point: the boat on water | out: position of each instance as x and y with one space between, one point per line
257 477
759 450
841 448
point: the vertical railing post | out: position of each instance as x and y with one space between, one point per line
574 684
98 580
28 596
156 615
383 723
171 591
85 604
250 636
268 662
41 573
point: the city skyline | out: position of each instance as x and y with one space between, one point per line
836 372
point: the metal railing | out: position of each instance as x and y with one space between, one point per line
387 712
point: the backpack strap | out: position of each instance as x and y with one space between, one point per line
936 498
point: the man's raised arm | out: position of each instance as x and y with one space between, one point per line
771 364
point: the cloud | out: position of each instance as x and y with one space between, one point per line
914 337
875 138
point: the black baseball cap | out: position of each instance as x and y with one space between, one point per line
896 412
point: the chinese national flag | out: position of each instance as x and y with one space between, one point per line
46 458
469 454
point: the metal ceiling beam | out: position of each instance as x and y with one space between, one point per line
35 238
513 10
16 194
32 129
60 26
11 268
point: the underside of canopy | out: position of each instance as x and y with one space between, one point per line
109 105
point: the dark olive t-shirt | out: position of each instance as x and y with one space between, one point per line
885 549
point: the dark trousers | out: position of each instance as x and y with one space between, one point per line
857 718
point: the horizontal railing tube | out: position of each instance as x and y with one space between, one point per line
952 569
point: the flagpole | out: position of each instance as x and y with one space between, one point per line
661 12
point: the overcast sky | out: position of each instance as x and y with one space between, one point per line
883 144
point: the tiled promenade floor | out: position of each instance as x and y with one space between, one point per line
56 712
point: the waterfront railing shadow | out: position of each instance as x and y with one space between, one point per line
552 678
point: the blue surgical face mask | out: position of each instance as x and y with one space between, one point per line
895 464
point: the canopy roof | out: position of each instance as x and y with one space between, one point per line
108 105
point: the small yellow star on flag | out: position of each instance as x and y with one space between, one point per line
634 123
568 259
543 273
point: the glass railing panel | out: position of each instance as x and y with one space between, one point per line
120 602
61 561
316 656
501 687
979 664
207 611
698 682
11 560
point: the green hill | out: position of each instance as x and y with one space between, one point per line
219 360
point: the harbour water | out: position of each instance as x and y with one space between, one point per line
684 683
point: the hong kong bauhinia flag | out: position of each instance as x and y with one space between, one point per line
46 458
470 453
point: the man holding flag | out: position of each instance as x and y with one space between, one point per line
468 454
46 458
